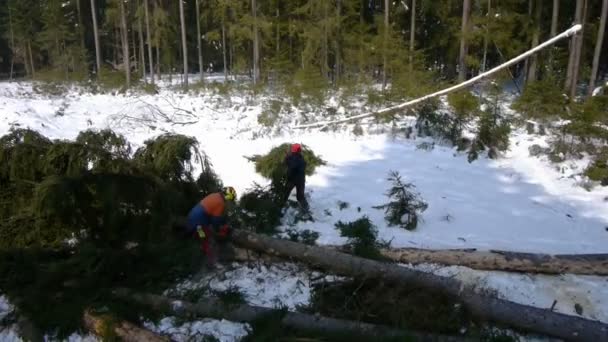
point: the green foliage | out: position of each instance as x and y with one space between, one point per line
598 169
92 191
405 204
270 113
466 107
402 305
272 165
362 237
542 100
231 296
308 86
493 130
259 210
431 122
306 236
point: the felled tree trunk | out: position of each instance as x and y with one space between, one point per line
213 308
128 332
590 264
484 306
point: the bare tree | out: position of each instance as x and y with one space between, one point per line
256 43
184 44
412 34
96 37
125 42
598 46
462 68
199 42
535 41
149 39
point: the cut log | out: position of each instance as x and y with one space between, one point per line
102 325
482 305
590 264
214 308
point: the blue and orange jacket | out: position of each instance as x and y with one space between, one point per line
208 212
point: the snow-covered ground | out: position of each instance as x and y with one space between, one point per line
516 203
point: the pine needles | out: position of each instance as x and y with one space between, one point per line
405 204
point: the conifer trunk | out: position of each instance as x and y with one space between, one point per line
125 43
570 82
486 38
535 41
142 52
385 46
462 68
412 35
224 48
80 24
29 50
598 47
12 39
256 43
199 42
149 39
578 50
184 43
554 18
96 37
338 65
543 321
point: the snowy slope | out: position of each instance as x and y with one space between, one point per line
515 203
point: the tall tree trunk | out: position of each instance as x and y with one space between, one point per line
149 39
527 62
325 66
338 65
486 37
462 67
199 41
412 35
519 316
80 24
256 43
32 67
385 43
142 52
12 39
184 43
535 41
96 38
125 43
158 63
554 18
578 52
578 18
224 48
598 47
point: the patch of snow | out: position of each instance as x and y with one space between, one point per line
6 307
223 330
9 334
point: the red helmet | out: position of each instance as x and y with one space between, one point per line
296 148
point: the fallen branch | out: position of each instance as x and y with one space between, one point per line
484 306
102 325
214 308
459 86
590 264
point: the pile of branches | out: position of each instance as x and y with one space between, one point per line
80 216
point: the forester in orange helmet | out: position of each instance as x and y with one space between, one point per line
296 175
207 221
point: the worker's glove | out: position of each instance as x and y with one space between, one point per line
200 232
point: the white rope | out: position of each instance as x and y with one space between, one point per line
574 29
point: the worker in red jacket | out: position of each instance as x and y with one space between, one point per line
207 222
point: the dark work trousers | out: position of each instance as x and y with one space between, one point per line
300 187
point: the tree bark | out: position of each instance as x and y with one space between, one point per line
481 305
224 49
570 81
412 35
128 332
486 38
598 47
338 65
215 308
256 43
554 18
32 67
149 39
184 44
589 264
199 42
125 44
535 41
80 24
462 68
12 39
96 37
142 53
385 47
578 52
